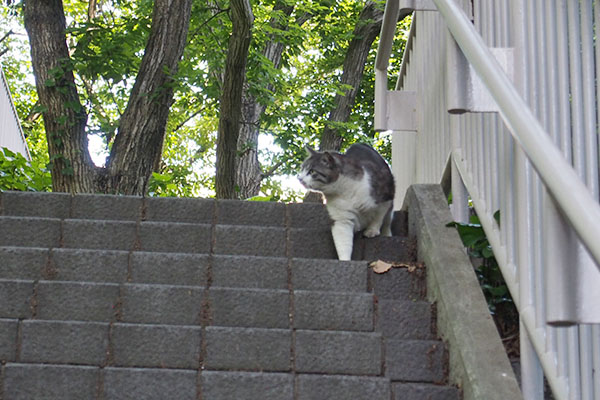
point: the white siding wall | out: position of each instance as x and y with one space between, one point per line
555 71
11 135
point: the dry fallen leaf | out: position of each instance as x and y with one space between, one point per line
381 267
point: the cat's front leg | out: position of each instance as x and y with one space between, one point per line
343 237
381 221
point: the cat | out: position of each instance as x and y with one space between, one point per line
359 192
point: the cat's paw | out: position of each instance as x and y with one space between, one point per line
371 233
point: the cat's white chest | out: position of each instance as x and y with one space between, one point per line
352 201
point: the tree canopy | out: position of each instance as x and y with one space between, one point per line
293 82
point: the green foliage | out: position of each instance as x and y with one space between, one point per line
16 173
272 190
177 181
488 272
106 52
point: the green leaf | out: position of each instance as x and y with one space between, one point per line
487 252
39 109
470 234
68 171
260 198
497 217
73 105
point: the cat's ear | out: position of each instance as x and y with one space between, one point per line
310 151
329 159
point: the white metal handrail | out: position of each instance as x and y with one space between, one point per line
571 194
510 162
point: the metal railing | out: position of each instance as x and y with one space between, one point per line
504 92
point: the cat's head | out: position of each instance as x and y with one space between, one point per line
318 170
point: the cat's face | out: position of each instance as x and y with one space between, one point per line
318 170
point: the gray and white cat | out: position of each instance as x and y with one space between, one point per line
359 192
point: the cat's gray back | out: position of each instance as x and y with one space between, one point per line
322 171
360 156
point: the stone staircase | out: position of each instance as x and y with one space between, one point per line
115 297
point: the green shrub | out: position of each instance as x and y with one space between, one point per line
488 272
17 173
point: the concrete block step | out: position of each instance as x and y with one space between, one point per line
155 346
392 248
416 360
30 232
399 284
186 305
342 387
183 237
254 308
42 381
147 383
401 319
333 311
337 352
191 347
329 275
238 271
78 301
8 339
29 381
420 391
37 381
222 385
33 381
250 240
59 342
248 349
119 266
257 386
16 298
162 209
101 343
161 304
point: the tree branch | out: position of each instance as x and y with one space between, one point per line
271 171
366 30
11 32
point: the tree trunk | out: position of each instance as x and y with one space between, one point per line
366 30
231 98
249 174
64 118
142 126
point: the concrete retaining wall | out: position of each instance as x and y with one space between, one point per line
478 362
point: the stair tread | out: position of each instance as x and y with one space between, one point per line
109 235
178 346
